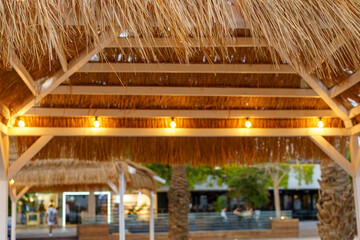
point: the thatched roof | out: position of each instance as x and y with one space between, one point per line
51 38
71 175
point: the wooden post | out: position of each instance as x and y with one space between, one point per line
152 220
3 208
13 220
122 187
92 205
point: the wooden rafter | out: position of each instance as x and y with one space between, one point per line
23 73
187 68
152 113
180 132
354 111
186 91
61 76
62 58
345 85
26 156
3 129
322 143
321 90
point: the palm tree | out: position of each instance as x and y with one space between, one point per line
335 203
179 200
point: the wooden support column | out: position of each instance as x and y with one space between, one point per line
4 164
92 205
122 187
14 199
152 218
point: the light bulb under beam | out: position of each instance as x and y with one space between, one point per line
320 124
21 123
173 123
96 123
248 123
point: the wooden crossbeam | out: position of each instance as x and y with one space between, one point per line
16 196
186 68
345 85
320 89
355 153
23 73
152 113
322 143
61 76
186 91
354 111
166 43
26 156
4 111
180 132
113 187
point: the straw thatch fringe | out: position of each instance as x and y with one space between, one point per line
180 102
70 173
32 29
181 150
52 23
304 29
351 97
33 121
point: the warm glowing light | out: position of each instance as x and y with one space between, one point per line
248 124
320 124
12 181
96 123
21 123
282 217
173 124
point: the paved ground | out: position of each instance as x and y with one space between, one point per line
308 231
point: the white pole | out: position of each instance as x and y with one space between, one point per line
152 220
3 209
13 220
122 187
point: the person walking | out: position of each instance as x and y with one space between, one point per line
42 212
51 215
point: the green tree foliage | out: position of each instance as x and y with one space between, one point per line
251 185
220 203
303 172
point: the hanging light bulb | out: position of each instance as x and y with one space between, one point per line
320 123
12 181
21 123
96 123
248 123
173 123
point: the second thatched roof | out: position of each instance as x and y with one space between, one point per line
75 175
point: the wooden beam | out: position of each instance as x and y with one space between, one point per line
61 76
320 89
62 57
3 129
23 191
152 113
322 143
166 43
187 68
4 156
186 91
23 73
26 156
180 132
354 111
4 111
345 85
355 129
355 153
113 187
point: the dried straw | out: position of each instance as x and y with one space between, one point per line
180 150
